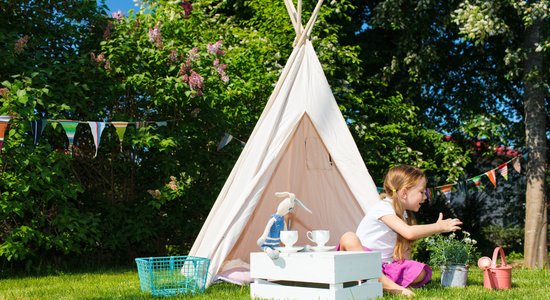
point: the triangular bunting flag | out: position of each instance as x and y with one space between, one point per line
492 177
503 169
446 190
4 123
225 140
70 130
517 165
120 130
97 129
37 129
477 181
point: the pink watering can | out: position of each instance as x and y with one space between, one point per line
496 277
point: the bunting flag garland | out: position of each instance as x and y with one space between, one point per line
503 170
517 165
4 123
69 126
492 177
37 129
97 130
70 130
477 181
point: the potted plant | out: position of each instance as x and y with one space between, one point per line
453 255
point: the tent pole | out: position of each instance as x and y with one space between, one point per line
292 14
299 17
309 25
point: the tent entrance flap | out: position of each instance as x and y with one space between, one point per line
321 188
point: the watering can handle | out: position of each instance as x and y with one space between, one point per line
502 257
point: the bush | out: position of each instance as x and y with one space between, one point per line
509 237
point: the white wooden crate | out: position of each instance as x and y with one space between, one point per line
316 275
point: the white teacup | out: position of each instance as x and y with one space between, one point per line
289 237
320 237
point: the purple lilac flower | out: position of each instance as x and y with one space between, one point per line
185 67
196 82
21 44
187 8
215 48
155 36
221 70
194 54
117 15
173 56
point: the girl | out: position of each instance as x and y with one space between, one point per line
389 228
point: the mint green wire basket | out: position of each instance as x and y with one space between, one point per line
172 275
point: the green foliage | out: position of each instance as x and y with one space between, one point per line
449 250
208 71
509 237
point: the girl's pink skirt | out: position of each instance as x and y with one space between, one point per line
404 272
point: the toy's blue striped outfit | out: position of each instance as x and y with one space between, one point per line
273 238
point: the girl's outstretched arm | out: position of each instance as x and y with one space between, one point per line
414 232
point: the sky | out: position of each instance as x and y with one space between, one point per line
123 5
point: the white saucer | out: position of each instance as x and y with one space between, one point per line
289 249
322 248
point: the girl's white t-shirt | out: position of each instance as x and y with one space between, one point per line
375 234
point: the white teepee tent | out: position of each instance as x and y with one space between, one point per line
301 144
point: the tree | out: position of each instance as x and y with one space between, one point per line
480 20
44 75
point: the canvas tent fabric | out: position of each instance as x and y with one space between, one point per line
301 144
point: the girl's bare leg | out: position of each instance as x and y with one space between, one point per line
389 286
350 242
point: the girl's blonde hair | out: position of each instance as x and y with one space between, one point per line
397 178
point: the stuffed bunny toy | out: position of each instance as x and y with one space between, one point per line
272 232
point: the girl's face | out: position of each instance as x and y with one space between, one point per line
414 197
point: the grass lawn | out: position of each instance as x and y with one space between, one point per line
124 284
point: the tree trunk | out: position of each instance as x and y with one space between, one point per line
536 220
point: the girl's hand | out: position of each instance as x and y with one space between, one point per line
448 225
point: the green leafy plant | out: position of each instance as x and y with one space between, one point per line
450 250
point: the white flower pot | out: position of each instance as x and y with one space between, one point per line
454 275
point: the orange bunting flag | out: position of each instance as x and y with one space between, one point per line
492 177
446 190
517 165
503 169
4 122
